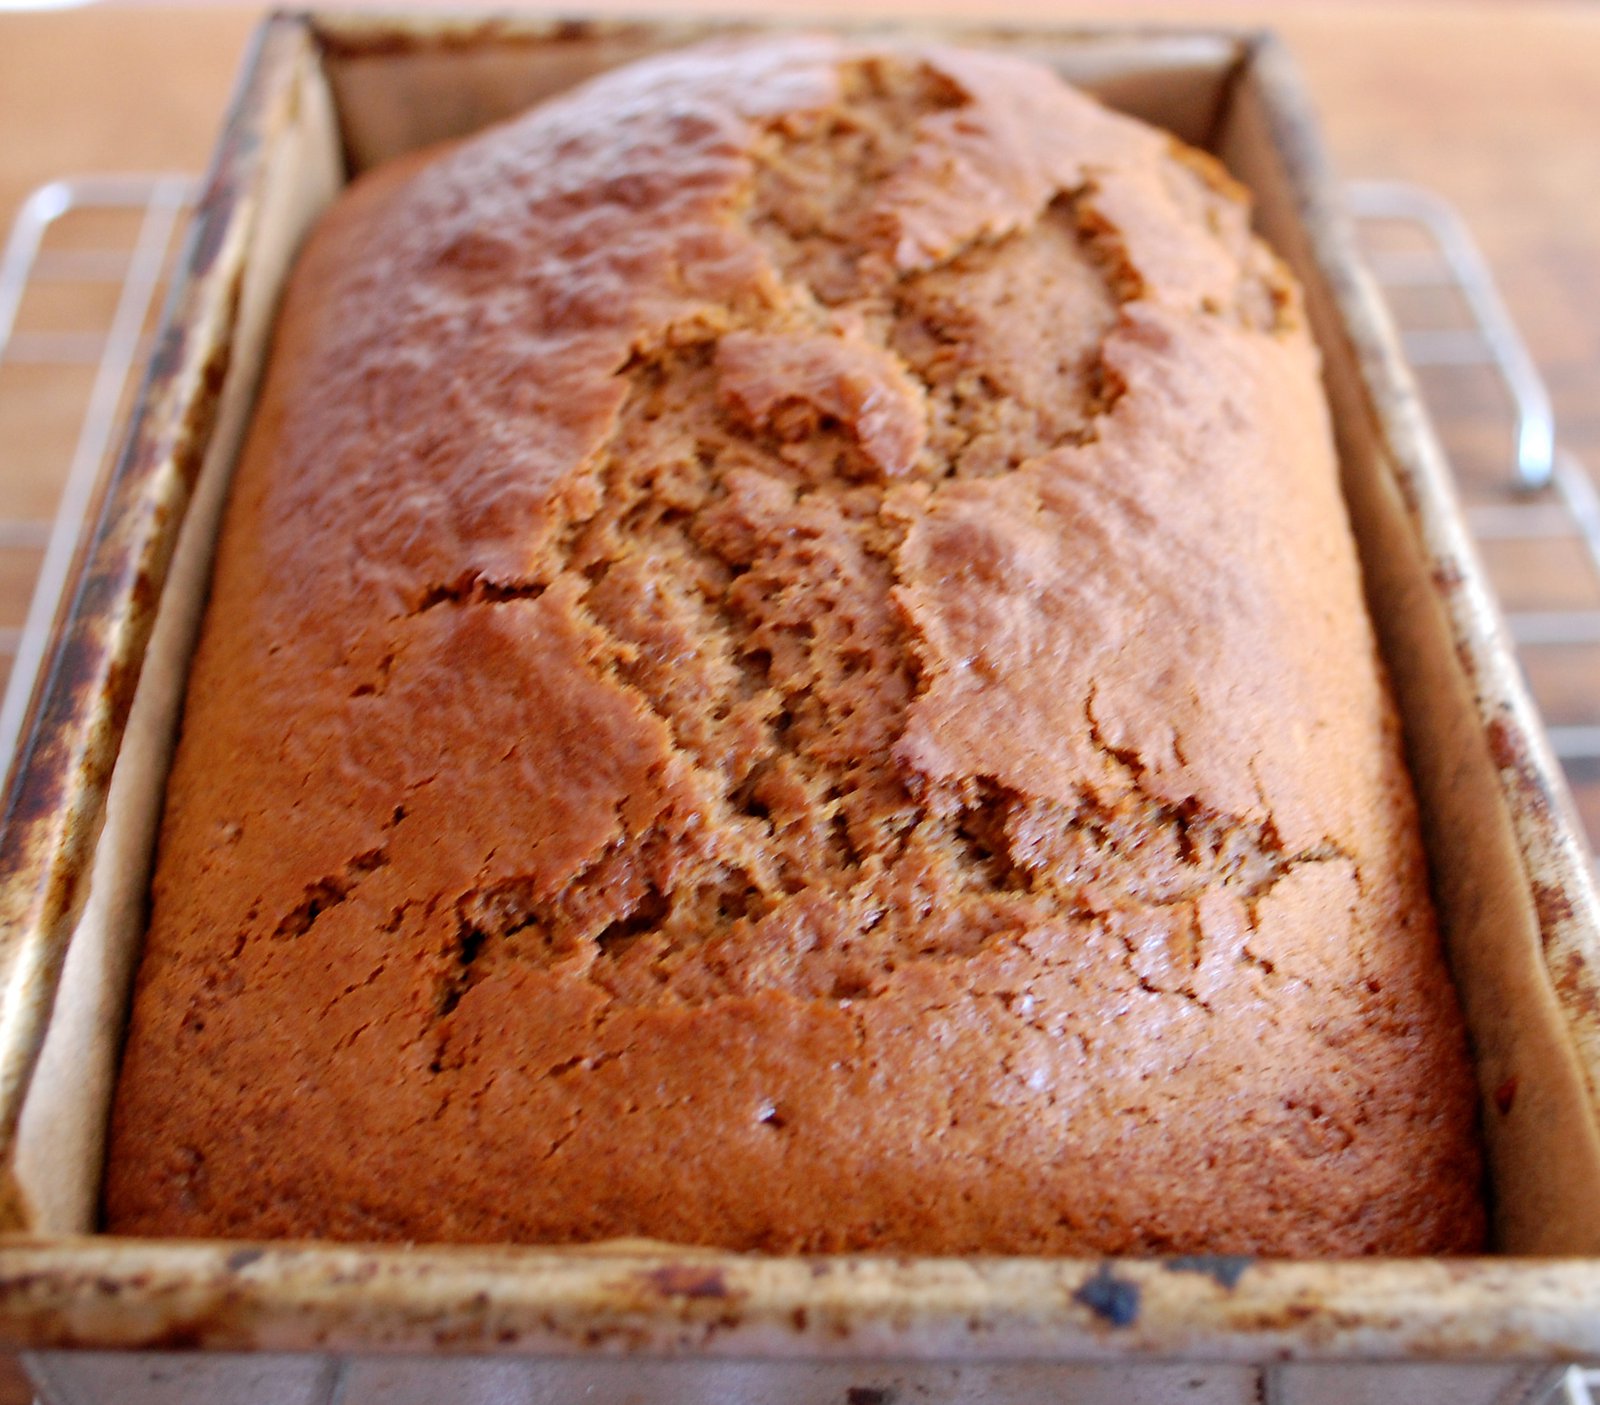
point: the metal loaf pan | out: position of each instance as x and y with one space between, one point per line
135 1320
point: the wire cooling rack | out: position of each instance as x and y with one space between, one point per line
84 270
1542 494
74 242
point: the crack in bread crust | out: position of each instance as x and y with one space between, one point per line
739 549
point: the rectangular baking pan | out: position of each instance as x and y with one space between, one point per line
107 1318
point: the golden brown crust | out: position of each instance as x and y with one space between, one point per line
786 671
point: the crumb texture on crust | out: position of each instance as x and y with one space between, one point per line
786 671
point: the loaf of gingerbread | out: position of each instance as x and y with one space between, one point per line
787 670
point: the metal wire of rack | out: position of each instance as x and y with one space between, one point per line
1544 495
137 271
1549 496
1578 1386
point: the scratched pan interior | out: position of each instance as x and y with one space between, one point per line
327 96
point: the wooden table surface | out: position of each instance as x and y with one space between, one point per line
1495 106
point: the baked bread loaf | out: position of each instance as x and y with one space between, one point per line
786 670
